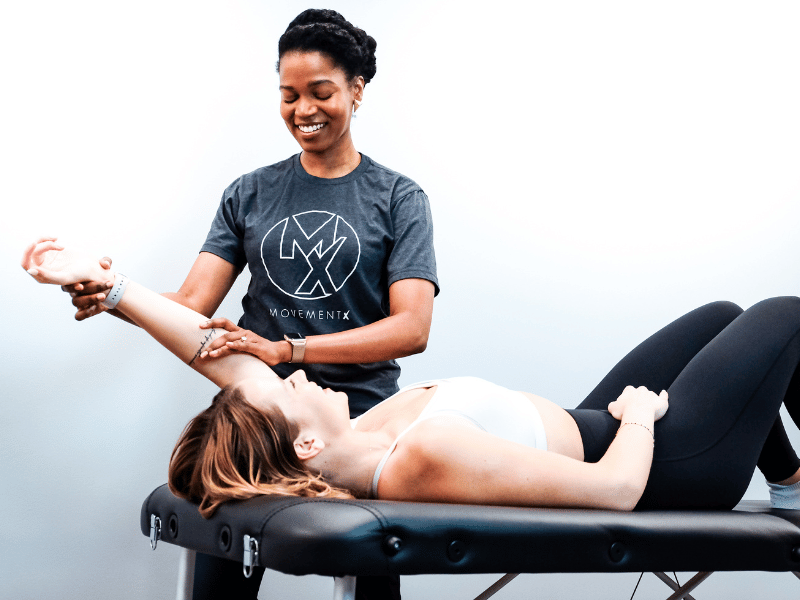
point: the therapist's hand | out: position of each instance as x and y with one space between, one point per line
243 340
87 296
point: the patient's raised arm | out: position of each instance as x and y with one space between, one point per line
174 326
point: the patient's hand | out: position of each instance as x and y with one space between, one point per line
640 398
49 262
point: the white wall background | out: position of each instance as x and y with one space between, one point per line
595 170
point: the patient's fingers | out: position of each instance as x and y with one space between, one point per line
44 275
638 396
615 409
26 256
662 404
35 274
42 248
36 248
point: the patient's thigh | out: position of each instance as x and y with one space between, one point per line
657 361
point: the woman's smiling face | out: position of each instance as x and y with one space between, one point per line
317 101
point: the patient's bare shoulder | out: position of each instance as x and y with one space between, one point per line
415 468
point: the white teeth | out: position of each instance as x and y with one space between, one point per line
310 128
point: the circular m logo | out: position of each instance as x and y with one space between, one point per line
311 254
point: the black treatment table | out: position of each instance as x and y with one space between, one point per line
346 538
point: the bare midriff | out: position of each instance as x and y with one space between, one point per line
562 432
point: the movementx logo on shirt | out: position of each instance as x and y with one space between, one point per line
310 256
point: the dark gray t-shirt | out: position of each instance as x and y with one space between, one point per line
322 254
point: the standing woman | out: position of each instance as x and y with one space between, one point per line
339 248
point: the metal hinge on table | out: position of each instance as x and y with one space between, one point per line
250 555
155 531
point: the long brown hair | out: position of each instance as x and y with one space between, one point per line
233 451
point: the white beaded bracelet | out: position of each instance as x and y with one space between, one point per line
114 295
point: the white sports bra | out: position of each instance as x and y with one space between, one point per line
492 408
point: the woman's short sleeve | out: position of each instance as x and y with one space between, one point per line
226 237
412 255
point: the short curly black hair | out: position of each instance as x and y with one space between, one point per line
326 31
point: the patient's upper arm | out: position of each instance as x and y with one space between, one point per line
447 460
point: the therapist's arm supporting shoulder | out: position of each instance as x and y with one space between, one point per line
404 332
208 282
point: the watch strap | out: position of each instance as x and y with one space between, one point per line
298 347
114 295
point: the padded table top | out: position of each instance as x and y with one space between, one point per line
321 536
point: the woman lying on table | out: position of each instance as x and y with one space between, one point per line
465 440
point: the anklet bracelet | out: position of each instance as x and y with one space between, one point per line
114 295
640 425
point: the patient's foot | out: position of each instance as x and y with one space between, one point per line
784 496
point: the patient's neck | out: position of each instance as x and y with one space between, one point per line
351 456
349 460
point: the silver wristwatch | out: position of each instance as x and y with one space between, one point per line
298 342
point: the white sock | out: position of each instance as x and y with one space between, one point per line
784 496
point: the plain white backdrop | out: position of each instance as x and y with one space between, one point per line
595 170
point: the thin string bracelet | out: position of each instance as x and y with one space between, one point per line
640 425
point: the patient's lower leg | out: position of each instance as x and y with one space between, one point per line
781 468
785 493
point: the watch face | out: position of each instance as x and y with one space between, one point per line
295 336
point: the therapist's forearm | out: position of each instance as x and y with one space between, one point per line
403 333
395 336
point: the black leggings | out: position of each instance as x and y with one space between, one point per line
726 372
